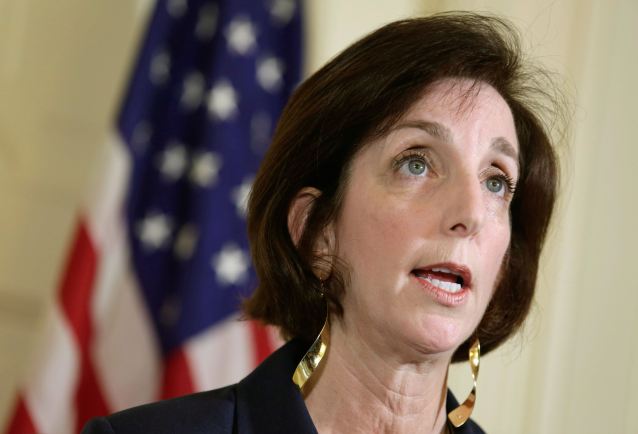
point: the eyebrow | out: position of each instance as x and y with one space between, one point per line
443 133
500 144
435 129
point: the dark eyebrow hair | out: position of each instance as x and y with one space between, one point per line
443 133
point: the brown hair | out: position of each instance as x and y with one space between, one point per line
359 95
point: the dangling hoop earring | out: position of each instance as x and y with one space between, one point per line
311 360
462 413
315 354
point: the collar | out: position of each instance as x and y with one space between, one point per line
268 401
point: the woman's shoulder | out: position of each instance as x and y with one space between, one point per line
205 412
265 402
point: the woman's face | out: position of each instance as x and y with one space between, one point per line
424 225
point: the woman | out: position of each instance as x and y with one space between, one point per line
403 203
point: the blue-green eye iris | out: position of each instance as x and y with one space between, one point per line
416 167
495 185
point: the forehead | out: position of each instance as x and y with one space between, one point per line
454 107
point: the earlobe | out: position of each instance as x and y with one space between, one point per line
299 210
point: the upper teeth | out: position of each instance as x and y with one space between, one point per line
444 270
446 286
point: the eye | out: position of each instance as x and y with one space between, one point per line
416 167
412 164
496 185
501 185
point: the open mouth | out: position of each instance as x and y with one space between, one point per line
448 279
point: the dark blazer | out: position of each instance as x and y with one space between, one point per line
265 402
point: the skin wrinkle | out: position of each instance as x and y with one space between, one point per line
443 134
435 129
391 396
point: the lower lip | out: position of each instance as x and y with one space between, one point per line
443 297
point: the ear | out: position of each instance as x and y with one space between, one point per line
299 210
324 243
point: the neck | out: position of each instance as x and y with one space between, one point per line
361 389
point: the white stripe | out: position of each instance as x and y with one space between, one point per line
127 358
221 355
50 386
52 379
104 206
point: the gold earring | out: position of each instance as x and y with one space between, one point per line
311 360
462 413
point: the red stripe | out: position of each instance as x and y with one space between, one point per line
261 341
76 293
177 379
21 422
89 399
77 285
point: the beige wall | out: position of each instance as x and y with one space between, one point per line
575 367
62 64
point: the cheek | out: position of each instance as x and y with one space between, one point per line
497 212
497 257
378 223
360 235
372 239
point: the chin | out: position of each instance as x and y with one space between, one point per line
442 335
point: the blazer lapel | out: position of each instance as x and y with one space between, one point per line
268 402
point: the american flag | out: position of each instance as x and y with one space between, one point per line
147 307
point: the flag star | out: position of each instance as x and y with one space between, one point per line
173 161
193 91
154 230
205 169
282 10
230 265
186 241
177 8
160 68
240 196
141 136
241 36
171 310
269 73
207 21
222 100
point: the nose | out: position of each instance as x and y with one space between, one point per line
465 211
